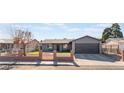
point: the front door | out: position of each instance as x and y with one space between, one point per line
58 49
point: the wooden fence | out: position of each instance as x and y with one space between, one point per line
55 57
42 56
114 51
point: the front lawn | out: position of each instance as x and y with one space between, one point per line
33 53
63 54
59 54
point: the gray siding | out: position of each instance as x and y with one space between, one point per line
85 48
86 44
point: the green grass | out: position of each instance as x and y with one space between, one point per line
63 54
33 53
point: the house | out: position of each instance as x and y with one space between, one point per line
114 45
33 45
86 45
6 45
56 44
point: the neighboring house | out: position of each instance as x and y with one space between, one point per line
86 45
114 44
6 45
32 46
56 44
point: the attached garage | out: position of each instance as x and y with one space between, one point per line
86 45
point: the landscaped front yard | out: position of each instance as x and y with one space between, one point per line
60 54
63 54
33 53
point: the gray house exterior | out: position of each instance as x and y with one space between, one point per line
56 44
84 45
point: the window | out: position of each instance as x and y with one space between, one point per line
49 46
65 46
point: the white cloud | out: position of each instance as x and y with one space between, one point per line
103 25
61 25
46 28
92 30
95 32
4 34
85 30
74 30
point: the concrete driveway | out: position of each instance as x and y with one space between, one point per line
97 57
98 60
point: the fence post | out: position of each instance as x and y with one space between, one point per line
54 54
40 54
72 54
122 55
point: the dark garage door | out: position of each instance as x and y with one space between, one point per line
87 48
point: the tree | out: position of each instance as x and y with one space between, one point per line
106 34
113 32
116 31
21 38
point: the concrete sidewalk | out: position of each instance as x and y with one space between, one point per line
85 62
65 66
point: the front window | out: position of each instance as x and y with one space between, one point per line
49 47
65 46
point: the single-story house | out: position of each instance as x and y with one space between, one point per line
8 45
114 45
56 44
86 45
33 45
115 42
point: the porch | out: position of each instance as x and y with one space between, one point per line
58 47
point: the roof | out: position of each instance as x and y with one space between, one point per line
56 41
88 37
114 39
6 41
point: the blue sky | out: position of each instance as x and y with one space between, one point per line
43 31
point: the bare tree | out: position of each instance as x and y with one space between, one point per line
21 38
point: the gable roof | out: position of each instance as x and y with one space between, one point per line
85 37
56 41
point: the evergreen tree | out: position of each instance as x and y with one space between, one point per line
113 32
